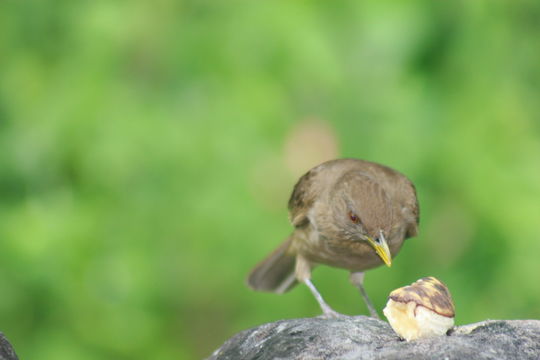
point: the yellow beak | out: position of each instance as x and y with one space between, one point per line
381 248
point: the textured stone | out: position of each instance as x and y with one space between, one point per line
362 337
6 350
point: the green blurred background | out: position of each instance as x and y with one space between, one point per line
148 149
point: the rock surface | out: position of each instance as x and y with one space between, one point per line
6 350
362 337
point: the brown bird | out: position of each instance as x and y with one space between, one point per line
347 213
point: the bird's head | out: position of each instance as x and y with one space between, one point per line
363 212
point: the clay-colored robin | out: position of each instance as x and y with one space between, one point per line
347 213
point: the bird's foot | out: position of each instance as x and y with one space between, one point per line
373 313
357 278
329 313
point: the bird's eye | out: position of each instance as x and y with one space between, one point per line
354 218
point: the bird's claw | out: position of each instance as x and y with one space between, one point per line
331 314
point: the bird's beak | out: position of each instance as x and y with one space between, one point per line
381 247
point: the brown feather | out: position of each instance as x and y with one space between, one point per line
275 273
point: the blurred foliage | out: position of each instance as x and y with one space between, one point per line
143 162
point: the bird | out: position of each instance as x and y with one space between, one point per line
347 213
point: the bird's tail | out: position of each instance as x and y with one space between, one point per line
276 272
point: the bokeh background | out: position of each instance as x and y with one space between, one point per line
148 149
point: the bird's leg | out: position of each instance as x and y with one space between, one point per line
328 312
303 274
357 279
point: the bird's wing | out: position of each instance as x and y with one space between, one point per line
411 204
303 197
404 193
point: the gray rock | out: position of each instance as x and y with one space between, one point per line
6 350
361 337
